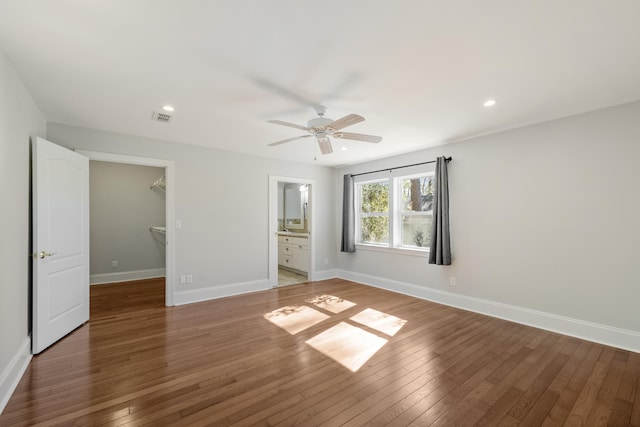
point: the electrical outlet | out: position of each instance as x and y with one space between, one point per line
114 264
452 281
326 261
189 278
178 224
183 279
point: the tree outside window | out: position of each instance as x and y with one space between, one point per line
416 211
374 212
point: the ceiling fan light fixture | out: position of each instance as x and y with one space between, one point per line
322 137
325 145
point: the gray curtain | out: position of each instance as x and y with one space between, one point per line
440 245
348 216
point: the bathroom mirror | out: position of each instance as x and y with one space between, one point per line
294 203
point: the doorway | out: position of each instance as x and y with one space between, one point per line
169 194
127 218
291 230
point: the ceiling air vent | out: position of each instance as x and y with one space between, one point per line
161 117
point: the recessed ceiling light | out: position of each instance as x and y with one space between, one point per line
343 148
490 102
168 108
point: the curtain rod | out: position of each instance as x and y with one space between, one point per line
448 159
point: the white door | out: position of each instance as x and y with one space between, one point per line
60 242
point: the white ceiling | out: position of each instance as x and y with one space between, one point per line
418 70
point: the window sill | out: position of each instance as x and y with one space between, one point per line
424 253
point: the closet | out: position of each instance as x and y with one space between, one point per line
127 222
159 185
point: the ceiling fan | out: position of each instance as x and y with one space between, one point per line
323 128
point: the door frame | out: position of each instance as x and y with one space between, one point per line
169 167
273 226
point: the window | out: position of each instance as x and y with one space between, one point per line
373 208
395 212
415 210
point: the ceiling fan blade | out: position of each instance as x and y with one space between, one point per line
349 120
325 145
289 140
357 137
286 93
291 125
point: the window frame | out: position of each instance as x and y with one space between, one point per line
399 212
394 213
359 214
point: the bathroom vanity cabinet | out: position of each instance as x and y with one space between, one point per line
293 252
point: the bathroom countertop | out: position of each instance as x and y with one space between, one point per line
292 234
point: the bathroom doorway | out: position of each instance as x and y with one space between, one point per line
290 230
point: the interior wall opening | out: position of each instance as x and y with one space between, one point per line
291 224
159 184
127 223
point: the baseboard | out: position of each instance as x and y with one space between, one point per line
125 276
293 270
603 334
13 372
214 292
326 274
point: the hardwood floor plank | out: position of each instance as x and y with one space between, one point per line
394 404
409 397
499 409
601 410
620 413
586 399
221 362
568 396
538 387
628 393
539 411
461 397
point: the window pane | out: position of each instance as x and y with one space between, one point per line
416 230
374 197
374 229
417 194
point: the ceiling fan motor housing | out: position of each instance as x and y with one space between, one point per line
319 124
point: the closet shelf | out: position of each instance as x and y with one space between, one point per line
160 184
161 230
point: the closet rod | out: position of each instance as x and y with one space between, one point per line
448 159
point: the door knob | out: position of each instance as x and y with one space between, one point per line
43 254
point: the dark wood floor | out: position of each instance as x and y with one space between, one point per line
223 362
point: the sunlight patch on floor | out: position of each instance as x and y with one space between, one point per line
295 318
381 322
348 345
331 303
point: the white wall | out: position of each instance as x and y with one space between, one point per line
19 120
543 217
222 202
123 207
